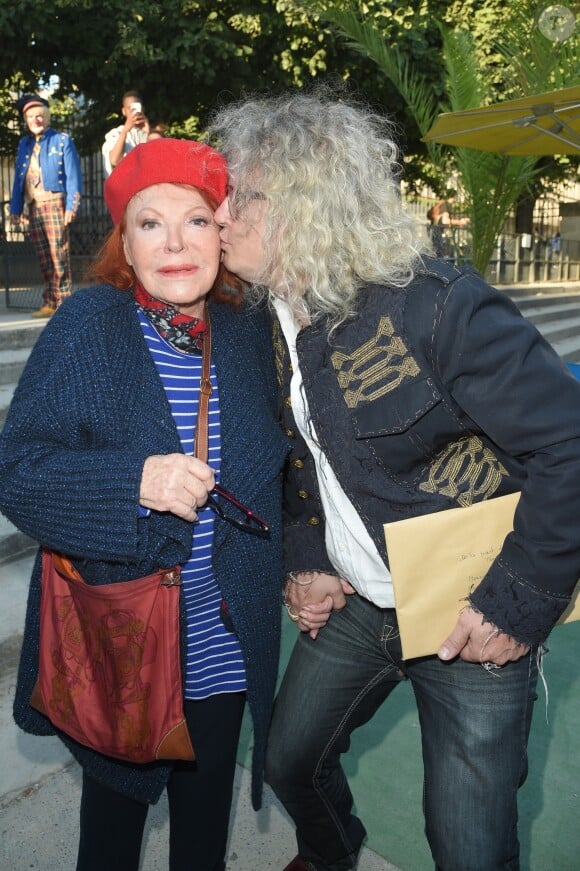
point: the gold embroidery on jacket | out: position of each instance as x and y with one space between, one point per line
376 368
466 461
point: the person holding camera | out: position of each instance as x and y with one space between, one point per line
120 140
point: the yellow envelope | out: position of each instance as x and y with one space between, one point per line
435 561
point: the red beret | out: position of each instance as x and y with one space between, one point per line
165 161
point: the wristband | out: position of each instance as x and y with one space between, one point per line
292 577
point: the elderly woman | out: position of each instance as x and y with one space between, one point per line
96 462
409 387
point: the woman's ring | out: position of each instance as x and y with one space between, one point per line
294 617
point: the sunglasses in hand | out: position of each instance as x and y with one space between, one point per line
234 512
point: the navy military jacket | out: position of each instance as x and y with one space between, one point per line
436 396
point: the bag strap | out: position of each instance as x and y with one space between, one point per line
200 444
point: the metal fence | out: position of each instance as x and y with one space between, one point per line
518 258
538 260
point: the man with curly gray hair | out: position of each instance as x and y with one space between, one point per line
408 386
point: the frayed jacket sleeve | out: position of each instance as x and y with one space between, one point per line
504 375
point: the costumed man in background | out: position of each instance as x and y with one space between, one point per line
48 179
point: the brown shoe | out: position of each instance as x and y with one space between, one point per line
298 864
46 311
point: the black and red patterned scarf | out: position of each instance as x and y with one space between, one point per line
182 331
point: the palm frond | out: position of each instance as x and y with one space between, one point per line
415 89
464 85
493 183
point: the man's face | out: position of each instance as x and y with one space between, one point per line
37 119
242 229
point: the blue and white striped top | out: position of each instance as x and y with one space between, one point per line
214 658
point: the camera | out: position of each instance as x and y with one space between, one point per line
136 108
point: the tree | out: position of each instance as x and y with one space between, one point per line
184 55
471 72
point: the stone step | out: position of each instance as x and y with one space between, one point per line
568 348
13 543
6 393
532 300
12 362
542 314
21 335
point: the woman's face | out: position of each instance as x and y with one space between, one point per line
242 225
172 242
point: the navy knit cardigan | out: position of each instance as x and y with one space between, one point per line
89 409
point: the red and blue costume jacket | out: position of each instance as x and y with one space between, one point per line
60 167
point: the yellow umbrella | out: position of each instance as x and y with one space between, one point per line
540 124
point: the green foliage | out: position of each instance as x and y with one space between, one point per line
184 56
465 87
487 51
411 61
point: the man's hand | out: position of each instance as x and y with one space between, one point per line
313 597
15 220
475 641
69 217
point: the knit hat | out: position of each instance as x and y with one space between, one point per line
165 161
27 100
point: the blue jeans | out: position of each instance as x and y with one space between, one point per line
474 728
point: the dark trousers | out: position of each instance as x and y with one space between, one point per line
199 794
474 729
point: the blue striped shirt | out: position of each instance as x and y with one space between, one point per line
214 658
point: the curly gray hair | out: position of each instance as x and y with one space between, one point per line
335 219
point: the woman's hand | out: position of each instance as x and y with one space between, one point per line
312 597
176 483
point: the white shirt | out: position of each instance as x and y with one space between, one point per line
135 136
350 548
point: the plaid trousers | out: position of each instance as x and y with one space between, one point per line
51 244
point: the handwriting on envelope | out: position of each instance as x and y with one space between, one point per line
435 560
